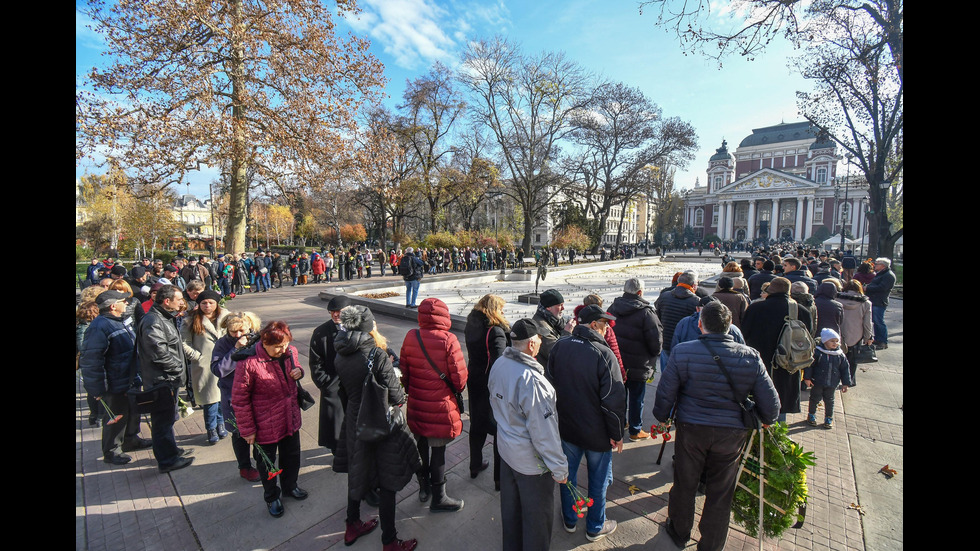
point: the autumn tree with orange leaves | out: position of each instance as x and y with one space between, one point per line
267 85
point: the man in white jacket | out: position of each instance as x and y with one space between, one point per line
523 403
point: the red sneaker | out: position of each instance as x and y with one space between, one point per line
358 529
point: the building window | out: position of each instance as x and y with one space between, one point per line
741 212
698 218
818 211
714 216
821 175
537 238
787 212
717 185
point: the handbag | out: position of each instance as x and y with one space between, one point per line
452 388
376 420
304 398
158 398
750 415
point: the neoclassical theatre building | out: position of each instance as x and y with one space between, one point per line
781 183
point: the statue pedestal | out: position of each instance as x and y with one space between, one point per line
516 275
528 298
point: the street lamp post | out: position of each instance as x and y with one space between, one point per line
844 215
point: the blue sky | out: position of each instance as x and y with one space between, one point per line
608 37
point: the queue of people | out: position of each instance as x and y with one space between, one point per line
550 390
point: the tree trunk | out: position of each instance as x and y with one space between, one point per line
528 228
235 236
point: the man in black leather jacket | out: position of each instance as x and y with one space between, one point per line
161 362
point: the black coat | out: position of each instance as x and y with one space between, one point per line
391 463
639 334
830 312
332 400
591 397
160 349
761 326
673 306
484 344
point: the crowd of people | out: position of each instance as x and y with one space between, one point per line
551 390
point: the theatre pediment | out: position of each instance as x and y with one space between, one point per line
769 181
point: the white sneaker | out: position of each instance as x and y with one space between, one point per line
608 527
569 529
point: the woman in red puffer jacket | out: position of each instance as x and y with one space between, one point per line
433 414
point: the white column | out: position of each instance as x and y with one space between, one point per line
729 219
807 217
799 219
750 233
721 220
774 220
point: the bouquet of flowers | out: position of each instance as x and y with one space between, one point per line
185 409
580 502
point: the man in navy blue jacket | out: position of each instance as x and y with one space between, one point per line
106 363
710 431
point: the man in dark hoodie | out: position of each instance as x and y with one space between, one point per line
640 337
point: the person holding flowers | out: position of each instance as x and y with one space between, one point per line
532 461
591 414
264 398
106 363
707 407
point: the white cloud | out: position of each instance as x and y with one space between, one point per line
419 32
409 30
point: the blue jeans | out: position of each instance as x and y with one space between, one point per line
411 292
878 322
635 391
599 465
212 416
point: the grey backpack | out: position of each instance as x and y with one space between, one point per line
794 350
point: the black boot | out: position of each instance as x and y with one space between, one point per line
442 503
425 487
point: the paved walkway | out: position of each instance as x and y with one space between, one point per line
208 506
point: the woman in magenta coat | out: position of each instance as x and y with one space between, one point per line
433 414
263 397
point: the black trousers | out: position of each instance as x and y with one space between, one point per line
435 463
288 450
527 509
716 451
386 514
126 429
